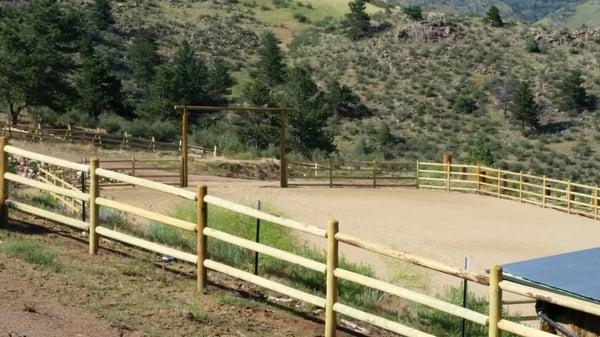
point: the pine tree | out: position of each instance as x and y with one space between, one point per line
358 22
219 83
414 12
142 58
270 65
189 75
571 92
493 17
37 43
308 124
343 102
481 151
101 14
99 90
524 109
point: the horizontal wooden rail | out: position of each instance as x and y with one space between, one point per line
410 295
146 183
146 214
46 187
377 321
251 212
413 259
550 297
267 250
46 159
47 215
522 330
265 283
151 246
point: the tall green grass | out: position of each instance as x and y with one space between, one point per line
31 251
270 234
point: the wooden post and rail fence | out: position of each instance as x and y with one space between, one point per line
563 195
331 270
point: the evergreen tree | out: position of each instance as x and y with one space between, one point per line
533 46
37 43
219 83
524 109
493 17
414 12
142 58
343 102
258 130
308 124
190 76
358 22
571 92
99 90
481 151
101 14
270 67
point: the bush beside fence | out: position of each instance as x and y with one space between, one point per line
332 272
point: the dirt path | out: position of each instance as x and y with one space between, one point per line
28 310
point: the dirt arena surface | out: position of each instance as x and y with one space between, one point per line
444 226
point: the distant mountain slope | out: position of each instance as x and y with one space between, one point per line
574 16
527 10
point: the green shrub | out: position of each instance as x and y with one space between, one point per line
46 200
31 251
111 123
414 12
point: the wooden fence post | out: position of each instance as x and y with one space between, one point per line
184 146
374 174
544 191
417 179
332 290
201 242
3 182
498 189
568 195
181 173
330 173
521 186
478 179
133 166
316 169
596 202
447 161
93 212
495 309
283 182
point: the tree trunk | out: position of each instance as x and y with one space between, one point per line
14 114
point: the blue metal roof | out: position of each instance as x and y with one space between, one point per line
575 274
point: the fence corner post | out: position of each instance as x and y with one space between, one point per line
332 289
374 173
495 309
201 242
417 175
93 208
3 182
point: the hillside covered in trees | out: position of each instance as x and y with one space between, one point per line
368 81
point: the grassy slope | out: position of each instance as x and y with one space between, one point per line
587 13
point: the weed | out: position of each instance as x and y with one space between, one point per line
31 251
47 201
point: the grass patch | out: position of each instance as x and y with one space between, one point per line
47 201
31 251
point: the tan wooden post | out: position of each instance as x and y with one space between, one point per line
133 166
93 212
568 194
332 290
463 175
498 189
374 174
521 186
478 179
447 161
596 202
3 182
417 179
330 173
181 173
201 242
495 309
544 191
184 145
316 169
153 144
282 145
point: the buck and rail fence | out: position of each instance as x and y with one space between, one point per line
562 195
100 138
332 273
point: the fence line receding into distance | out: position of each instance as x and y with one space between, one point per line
331 270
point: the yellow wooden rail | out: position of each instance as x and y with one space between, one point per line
494 320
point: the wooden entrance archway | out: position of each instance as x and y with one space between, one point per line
186 109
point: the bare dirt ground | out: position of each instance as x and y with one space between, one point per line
27 310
